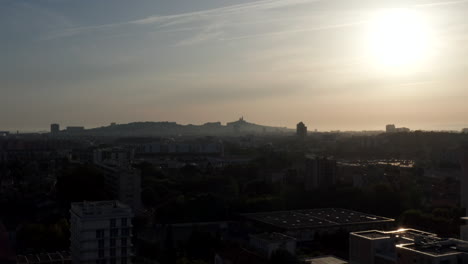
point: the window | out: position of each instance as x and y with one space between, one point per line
123 261
124 221
112 252
124 251
123 242
125 232
112 223
112 261
101 243
99 233
112 242
101 253
114 232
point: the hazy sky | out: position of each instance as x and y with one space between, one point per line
276 62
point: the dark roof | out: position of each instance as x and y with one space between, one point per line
273 237
238 255
315 218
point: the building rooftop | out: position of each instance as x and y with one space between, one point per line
273 237
410 234
435 249
325 260
419 241
314 218
100 208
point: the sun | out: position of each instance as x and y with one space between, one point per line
399 38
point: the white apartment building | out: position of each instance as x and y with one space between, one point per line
101 233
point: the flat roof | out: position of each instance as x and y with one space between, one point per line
273 237
100 208
315 218
410 234
436 249
325 260
419 241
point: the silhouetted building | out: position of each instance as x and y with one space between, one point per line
390 128
122 181
320 172
402 129
301 130
54 129
101 232
405 246
393 129
465 130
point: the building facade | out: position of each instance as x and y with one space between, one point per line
301 130
101 233
320 172
405 246
54 129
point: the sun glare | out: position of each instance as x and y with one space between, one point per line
399 38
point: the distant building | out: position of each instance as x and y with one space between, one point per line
196 148
101 232
465 130
113 156
320 172
305 225
122 181
4 133
124 184
393 129
301 130
390 128
402 129
54 129
405 246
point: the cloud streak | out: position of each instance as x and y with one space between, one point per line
443 3
184 18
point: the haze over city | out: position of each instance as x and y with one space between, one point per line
334 64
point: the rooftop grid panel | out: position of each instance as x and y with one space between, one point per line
313 218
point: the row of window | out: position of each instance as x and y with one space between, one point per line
112 242
123 222
112 252
113 232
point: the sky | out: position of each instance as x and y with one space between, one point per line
275 62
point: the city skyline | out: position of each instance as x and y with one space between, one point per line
326 63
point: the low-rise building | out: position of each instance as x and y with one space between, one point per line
305 225
405 246
101 232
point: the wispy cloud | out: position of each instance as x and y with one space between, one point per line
207 15
442 3
292 31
